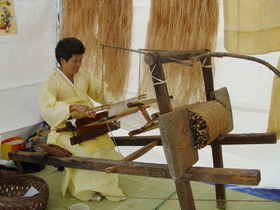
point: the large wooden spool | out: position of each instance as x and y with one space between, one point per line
193 127
207 121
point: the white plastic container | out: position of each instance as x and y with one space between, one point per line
79 206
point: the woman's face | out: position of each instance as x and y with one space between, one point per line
72 66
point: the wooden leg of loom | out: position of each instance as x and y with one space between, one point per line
220 188
185 196
19 167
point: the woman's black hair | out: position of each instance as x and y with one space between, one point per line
66 47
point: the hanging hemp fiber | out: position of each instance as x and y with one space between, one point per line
102 22
181 25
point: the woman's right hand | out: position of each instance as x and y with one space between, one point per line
82 109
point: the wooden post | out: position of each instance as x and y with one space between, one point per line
219 188
185 195
217 149
159 82
183 187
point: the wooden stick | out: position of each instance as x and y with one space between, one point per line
140 97
140 152
145 128
145 113
134 155
142 102
179 61
234 55
124 113
98 108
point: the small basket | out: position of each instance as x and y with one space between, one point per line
12 190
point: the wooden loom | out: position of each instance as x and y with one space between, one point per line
179 167
87 128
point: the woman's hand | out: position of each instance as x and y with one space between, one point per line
82 109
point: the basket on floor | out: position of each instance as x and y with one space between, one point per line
13 189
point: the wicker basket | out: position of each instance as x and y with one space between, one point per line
12 190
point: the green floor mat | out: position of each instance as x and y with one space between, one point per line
145 193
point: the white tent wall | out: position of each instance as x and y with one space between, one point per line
27 58
249 85
26 61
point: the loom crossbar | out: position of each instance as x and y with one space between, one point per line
210 175
230 139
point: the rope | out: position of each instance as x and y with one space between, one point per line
160 81
203 64
139 73
114 140
102 76
162 203
123 48
220 200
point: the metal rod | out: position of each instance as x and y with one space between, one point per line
155 50
123 48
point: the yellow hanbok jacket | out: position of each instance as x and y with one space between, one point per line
56 95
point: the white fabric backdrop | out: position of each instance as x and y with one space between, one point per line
27 58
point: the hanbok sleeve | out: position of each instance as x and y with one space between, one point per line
52 111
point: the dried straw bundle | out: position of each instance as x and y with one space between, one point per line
102 22
181 25
207 121
79 20
116 29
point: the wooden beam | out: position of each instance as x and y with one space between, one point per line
219 188
184 188
217 149
159 83
200 174
235 55
207 78
136 140
170 56
230 139
247 138
165 106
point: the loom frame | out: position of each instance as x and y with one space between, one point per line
218 174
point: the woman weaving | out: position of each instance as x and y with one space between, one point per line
69 92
